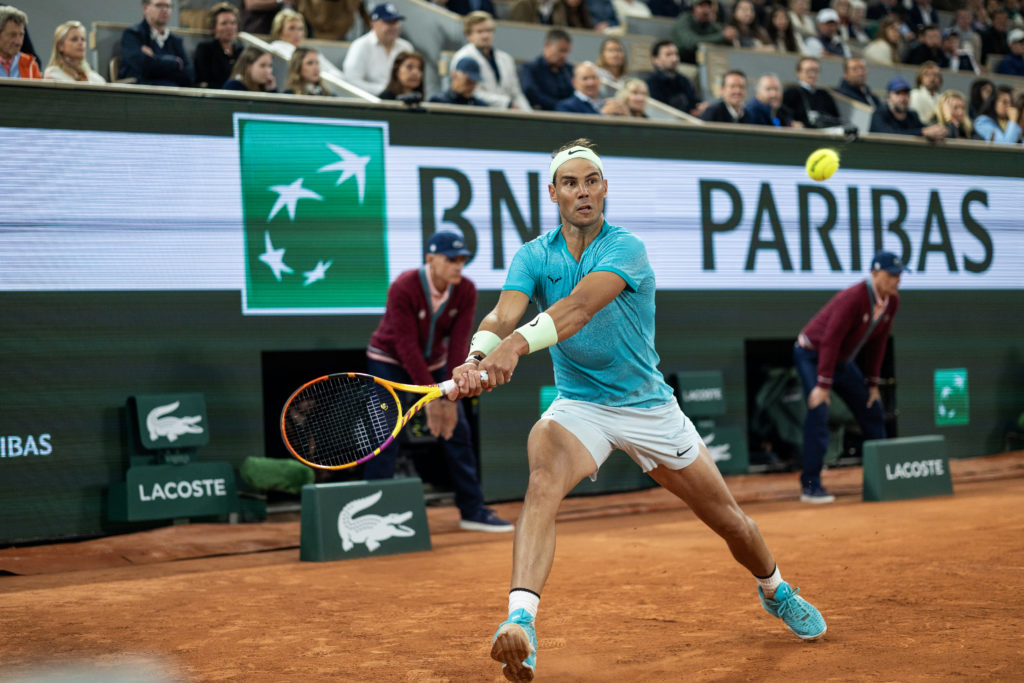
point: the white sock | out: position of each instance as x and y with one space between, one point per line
770 583
523 598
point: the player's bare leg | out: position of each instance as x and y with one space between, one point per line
701 487
558 461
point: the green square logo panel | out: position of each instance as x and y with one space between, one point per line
952 401
314 209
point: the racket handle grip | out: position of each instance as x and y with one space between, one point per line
449 384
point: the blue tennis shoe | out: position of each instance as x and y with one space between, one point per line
799 615
515 646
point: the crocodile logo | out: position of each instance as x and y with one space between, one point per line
159 422
370 529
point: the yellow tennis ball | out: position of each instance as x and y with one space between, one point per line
822 163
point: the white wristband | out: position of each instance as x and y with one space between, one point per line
484 342
540 332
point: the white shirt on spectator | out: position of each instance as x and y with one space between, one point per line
630 8
495 94
368 64
55 73
924 103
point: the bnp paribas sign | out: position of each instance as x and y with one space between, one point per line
314 211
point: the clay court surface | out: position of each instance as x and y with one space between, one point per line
929 589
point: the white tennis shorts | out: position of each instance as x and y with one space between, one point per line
662 435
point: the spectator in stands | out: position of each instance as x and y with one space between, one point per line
802 20
304 74
855 83
970 39
667 8
68 62
699 26
1013 9
254 71
464 7
780 32
406 76
573 13
959 58
749 33
287 33
827 41
922 14
887 47
603 14
464 78
999 121
331 19
624 9
548 78
730 109
151 54
879 10
924 98
633 95
611 61
981 89
1013 63
586 96
667 85
895 116
812 106
952 113
767 109
855 29
928 48
371 55
993 40
499 86
258 15
215 58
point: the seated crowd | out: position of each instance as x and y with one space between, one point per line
381 63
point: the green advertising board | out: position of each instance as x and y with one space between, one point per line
198 489
171 421
952 401
363 518
911 467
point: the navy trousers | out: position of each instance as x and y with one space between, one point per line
458 450
848 383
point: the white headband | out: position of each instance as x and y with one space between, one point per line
575 153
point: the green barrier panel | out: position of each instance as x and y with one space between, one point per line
727 446
362 519
198 489
701 394
913 467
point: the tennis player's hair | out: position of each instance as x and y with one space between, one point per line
578 142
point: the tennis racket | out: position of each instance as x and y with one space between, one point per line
340 420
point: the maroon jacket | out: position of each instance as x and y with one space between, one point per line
837 332
416 337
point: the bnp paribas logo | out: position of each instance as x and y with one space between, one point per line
314 210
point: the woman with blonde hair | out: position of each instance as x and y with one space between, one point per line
254 71
633 95
611 61
68 63
304 73
287 33
215 58
951 112
887 46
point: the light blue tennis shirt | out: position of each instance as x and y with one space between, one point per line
611 361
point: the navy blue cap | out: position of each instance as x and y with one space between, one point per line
898 83
470 67
385 12
889 262
450 244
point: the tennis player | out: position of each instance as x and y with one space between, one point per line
595 288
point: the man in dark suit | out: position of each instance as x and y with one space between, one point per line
811 105
548 78
151 54
667 85
730 109
855 82
585 98
928 48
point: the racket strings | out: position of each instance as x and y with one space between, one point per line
340 420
